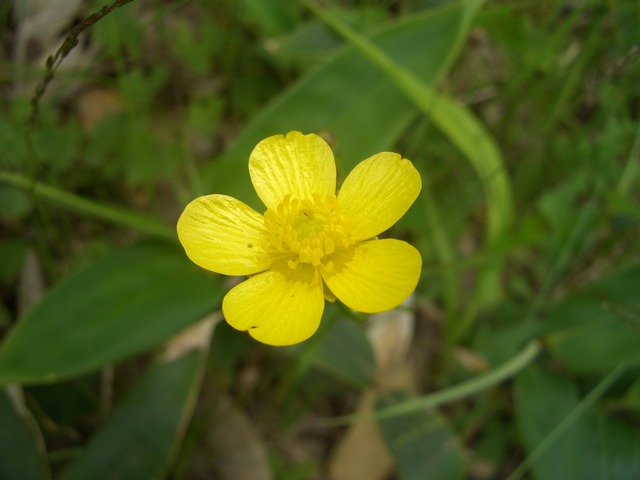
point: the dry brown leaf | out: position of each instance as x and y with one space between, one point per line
40 29
15 395
232 439
471 361
390 334
97 103
196 336
235 442
361 453
31 285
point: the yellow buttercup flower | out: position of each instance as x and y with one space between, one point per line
310 244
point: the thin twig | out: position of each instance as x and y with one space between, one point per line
54 61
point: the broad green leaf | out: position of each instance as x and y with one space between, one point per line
339 348
422 444
493 444
140 438
598 328
346 354
12 254
612 448
631 400
350 99
465 131
543 400
271 18
21 450
451 117
125 303
592 446
309 44
16 204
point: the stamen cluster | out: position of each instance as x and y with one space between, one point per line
306 231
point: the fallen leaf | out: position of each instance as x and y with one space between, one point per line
361 453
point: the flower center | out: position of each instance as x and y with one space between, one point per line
306 231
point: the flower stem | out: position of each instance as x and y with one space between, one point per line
118 215
447 395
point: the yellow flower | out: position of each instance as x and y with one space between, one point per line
310 244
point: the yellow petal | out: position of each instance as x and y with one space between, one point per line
297 164
377 193
275 308
224 235
374 276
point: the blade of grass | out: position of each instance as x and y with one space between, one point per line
117 215
632 168
442 247
451 117
462 128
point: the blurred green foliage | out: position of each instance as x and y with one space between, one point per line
162 101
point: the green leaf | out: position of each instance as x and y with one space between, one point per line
140 438
309 44
350 99
57 144
567 439
12 255
631 400
125 303
16 204
612 450
451 117
121 31
422 444
339 348
346 354
542 401
598 328
21 451
271 18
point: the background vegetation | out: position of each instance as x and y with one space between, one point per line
518 356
